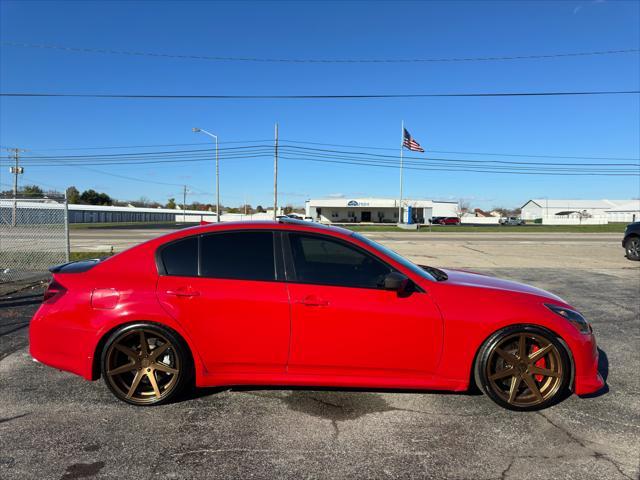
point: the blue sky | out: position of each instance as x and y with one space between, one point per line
574 126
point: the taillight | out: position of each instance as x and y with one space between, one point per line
54 290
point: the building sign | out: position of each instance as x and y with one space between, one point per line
354 203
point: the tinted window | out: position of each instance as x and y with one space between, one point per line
238 255
329 262
181 257
396 256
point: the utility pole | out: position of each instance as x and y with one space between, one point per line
15 170
275 177
401 165
184 204
66 227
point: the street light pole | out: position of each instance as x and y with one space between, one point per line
199 130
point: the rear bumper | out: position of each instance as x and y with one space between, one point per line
586 357
59 344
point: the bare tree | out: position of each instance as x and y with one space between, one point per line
463 207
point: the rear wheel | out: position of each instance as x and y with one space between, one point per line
632 248
523 368
145 364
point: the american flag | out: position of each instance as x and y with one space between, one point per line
410 143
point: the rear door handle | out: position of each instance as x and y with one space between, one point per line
183 293
312 301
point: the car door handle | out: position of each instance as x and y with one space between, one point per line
313 302
183 293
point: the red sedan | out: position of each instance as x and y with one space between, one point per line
448 221
294 303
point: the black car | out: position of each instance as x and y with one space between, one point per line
631 241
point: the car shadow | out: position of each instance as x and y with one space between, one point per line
198 392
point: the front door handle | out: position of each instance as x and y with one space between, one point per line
313 301
183 293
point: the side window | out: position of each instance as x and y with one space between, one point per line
238 255
181 257
323 260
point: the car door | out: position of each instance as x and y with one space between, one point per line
225 290
344 322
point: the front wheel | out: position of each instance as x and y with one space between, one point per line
632 248
523 368
145 364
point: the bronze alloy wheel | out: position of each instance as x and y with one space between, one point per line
523 368
142 364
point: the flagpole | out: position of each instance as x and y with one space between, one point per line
401 164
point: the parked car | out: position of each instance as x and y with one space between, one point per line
511 221
448 221
631 241
302 304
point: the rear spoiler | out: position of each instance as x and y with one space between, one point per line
78 266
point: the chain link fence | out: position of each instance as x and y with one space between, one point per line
34 235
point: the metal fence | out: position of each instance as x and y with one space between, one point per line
34 234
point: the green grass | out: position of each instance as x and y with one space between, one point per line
609 228
74 256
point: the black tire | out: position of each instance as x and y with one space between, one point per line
490 368
159 378
632 248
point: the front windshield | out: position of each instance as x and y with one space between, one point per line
396 257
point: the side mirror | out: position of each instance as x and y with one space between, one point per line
396 281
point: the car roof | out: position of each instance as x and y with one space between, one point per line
285 223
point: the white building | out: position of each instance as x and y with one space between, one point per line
600 211
376 210
626 212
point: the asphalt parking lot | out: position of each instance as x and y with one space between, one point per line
56 425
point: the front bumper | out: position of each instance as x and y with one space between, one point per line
586 358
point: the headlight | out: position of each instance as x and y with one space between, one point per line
574 317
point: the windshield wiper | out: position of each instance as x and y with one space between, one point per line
438 274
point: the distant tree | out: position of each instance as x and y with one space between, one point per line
31 190
507 212
231 210
260 209
73 195
246 209
141 202
171 203
91 197
287 210
463 207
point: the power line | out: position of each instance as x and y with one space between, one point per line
320 154
424 164
113 147
365 147
185 156
458 170
161 152
427 158
315 97
528 155
216 58
124 177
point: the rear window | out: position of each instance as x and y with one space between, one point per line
181 257
238 255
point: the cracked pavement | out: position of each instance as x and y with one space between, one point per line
56 425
